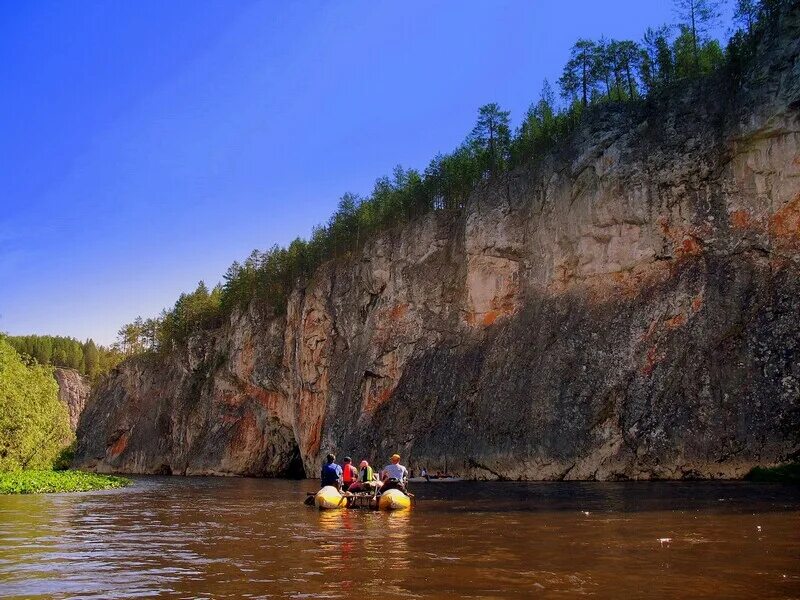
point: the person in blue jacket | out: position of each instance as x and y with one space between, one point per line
331 473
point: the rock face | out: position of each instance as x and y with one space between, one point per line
73 391
628 308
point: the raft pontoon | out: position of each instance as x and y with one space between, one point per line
329 498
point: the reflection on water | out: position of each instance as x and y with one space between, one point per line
251 538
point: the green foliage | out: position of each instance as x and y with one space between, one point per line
543 127
491 138
65 457
597 72
579 78
85 357
788 473
690 61
696 17
46 482
746 14
656 64
34 424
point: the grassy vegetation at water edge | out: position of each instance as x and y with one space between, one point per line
789 473
42 482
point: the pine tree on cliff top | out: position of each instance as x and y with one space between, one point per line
580 76
698 16
492 135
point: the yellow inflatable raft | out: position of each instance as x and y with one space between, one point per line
329 498
393 500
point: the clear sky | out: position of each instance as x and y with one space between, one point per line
145 145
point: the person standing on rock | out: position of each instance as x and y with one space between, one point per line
394 475
349 473
331 473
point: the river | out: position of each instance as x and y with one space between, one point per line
253 538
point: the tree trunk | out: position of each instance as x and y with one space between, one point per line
630 79
584 82
694 41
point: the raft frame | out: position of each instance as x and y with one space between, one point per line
360 500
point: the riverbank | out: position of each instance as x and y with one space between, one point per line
43 482
789 473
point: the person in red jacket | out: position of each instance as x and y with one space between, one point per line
349 473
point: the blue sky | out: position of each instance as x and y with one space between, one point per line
147 145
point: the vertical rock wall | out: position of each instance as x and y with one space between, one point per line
73 391
627 308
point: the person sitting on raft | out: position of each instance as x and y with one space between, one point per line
349 474
366 479
331 473
394 475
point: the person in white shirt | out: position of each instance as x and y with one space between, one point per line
394 475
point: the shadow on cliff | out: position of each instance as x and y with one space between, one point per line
691 378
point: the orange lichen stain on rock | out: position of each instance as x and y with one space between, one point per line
627 284
398 311
784 225
741 219
651 330
684 242
118 447
650 361
499 307
313 440
246 435
490 317
376 393
267 398
689 246
248 364
378 389
312 407
697 302
678 320
564 276
230 398
312 319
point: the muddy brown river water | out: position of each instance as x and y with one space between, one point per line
253 538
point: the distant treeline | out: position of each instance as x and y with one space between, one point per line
668 58
86 357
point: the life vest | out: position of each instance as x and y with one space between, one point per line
366 474
350 474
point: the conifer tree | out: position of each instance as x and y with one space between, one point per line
491 135
578 78
746 13
91 358
657 62
697 17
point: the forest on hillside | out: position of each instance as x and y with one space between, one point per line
88 358
599 72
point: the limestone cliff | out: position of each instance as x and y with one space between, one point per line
73 391
627 308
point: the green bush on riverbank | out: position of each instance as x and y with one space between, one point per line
789 473
34 424
43 482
